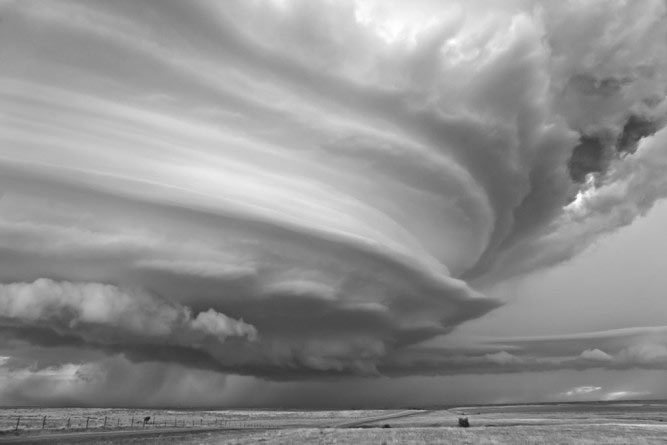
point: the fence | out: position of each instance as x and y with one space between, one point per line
121 422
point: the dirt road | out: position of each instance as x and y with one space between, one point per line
365 420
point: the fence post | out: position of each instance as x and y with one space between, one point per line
17 423
105 422
68 423
117 422
43 422
132 421
87 419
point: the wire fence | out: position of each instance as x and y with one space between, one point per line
19 423
34 420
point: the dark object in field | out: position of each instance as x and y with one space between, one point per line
146 419
386 425
463 422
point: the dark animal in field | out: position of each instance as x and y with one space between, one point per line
146 419
463 422
386 425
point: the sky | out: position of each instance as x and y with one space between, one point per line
332 204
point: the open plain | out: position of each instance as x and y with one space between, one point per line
568 423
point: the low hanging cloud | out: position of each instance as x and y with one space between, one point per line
114 380
301 189
99 312
621 349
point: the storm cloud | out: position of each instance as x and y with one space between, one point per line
299 190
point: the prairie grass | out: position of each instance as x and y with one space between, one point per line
582 434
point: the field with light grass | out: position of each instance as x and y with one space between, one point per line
576 423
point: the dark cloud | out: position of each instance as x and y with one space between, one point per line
633 131
589 156
595 153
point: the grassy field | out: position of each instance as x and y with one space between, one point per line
580 434
37 419
581 423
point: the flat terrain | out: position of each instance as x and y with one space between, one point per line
577 423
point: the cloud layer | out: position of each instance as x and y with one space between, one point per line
300 189
621 349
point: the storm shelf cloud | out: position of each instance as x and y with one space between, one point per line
303 192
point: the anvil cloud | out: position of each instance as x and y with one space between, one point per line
305 189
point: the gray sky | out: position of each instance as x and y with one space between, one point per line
332 203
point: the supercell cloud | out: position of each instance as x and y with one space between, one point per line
306 189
